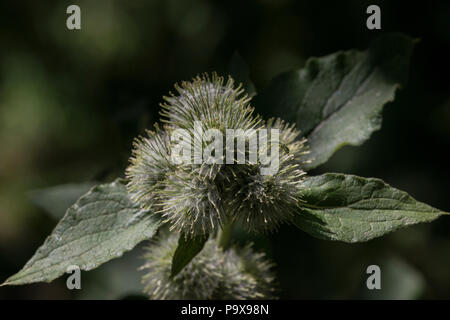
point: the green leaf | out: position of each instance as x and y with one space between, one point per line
188 248
354 209
238 70
100 226
56 200
337 100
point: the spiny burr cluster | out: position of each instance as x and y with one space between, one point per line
212 274
200 197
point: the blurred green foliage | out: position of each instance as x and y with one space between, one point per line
71 102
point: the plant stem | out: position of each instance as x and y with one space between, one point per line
224 236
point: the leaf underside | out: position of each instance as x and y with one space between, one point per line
100 226
337 100
353 209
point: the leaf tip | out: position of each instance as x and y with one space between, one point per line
4 284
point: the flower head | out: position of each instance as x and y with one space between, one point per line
199 197
192 203
262 202
209 103
212 101
149 164
212 274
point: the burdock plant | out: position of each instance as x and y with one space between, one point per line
333 101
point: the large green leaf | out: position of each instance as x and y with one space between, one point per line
100 226
354 209
337 100
188 248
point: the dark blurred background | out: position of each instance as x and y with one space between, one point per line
72 101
